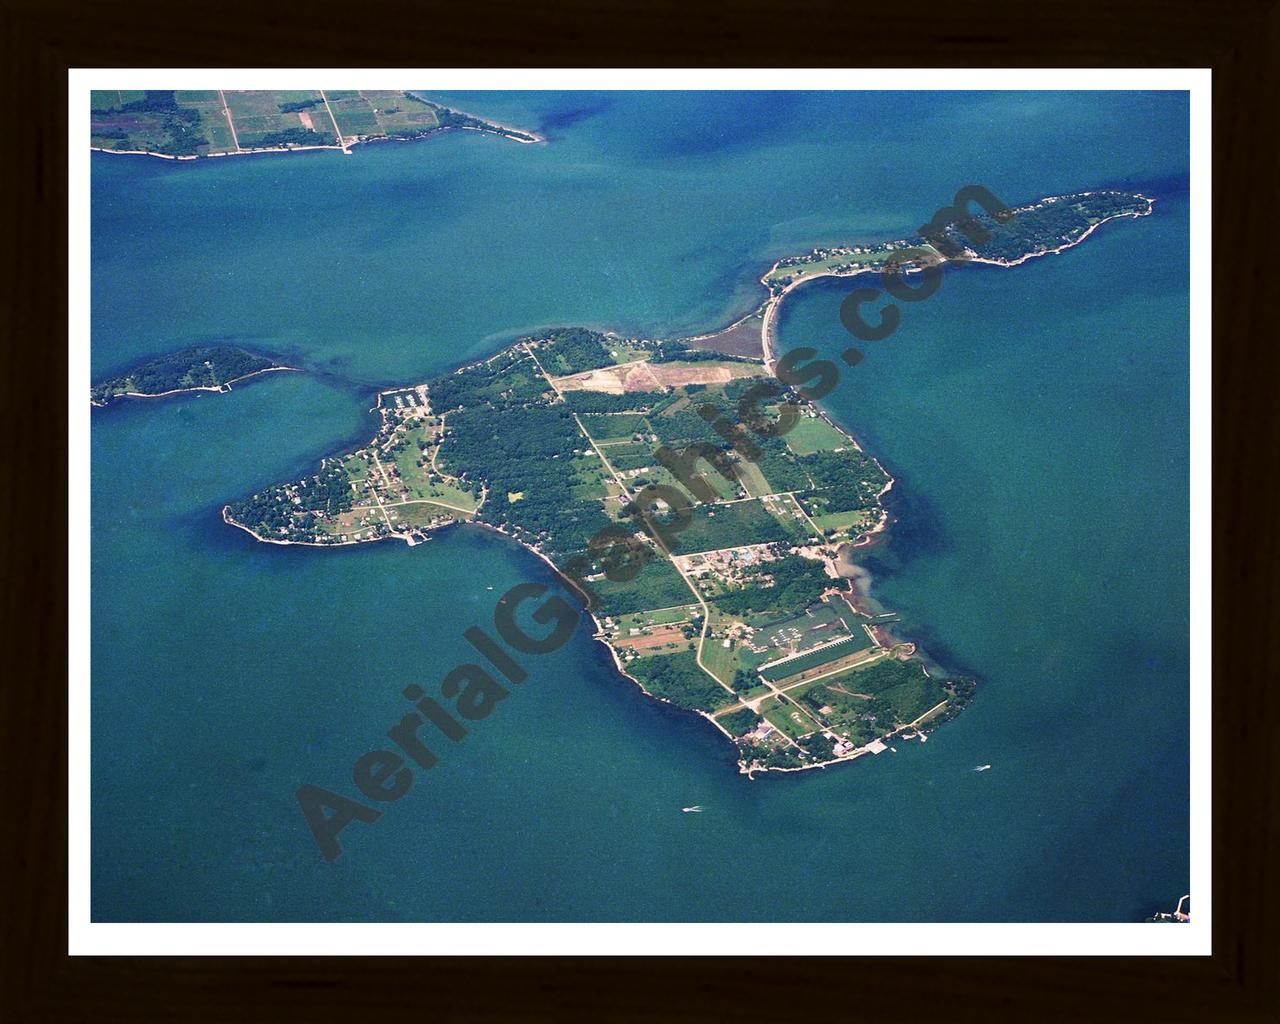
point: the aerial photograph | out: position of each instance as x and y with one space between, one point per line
639 506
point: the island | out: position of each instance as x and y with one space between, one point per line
188 124
1006 238
745 617
210 368
750 614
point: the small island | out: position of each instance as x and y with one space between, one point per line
213 368
187 124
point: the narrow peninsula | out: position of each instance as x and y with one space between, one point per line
213 368
1046 227
188 124
745 615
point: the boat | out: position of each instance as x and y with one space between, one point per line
695 809
983 768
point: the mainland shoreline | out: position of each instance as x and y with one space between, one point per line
523 136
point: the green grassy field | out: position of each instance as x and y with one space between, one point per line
193 122
815 265
263 118
720 661
753 480
354 115
588 478
787 717
845 522
814 434
614 426
657 617
213 119
414 468
722 487
625 456
399 114
792 517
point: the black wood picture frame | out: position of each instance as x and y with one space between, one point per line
1238 39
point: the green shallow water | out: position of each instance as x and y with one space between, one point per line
1035 419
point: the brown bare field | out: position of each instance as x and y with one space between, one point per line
658 636
646 376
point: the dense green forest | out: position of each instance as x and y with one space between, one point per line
524 454
677 678
740 722
598 401
504 431
273 512
287 137
1041 228
507 378
205 367
844 481
567 350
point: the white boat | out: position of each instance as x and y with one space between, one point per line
695 809
983 768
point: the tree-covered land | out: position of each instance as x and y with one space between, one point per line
1005 235
678 679
190 368
694 551
875 700
1046 225
567 350
150 120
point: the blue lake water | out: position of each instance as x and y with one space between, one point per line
1036 420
